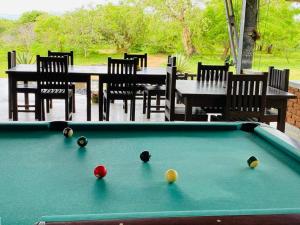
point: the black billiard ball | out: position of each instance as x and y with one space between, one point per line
145 156
68 132
82 141
252 162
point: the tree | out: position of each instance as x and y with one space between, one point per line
50 32
122 25
179 11
30 17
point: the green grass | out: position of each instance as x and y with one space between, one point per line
261 61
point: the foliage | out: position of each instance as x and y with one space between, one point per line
182 63
25 58
30 17
192 28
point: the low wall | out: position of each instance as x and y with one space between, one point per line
293 112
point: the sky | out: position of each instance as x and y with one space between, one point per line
17 7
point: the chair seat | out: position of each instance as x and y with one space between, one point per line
271 112
181 76
27 87
213 109
52 93
118 94
156 89
140 87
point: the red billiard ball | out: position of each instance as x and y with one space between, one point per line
100 171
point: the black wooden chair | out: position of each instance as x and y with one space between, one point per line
125 70
173 112
212 72
25 88
142 61
142 58
246 98
217 73
54 83
277 79
158 91
70 56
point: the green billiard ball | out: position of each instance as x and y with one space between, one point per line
82 141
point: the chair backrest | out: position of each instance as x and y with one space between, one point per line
170 92
212 72
279 78
70 56
53 72
171 60
246 96
11 59
124 69
142 58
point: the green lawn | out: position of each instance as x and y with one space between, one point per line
261 61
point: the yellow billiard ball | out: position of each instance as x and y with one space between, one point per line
171 175
253 162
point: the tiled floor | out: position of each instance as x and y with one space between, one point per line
117 113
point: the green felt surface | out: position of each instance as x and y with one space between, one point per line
44 174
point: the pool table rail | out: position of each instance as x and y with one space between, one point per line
278 219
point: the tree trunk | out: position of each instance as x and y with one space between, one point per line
226 50
187 41
269 49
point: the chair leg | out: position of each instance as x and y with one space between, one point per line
126 106
144 102
73 102
37 107
26 99
48 105
157 102
132 109
104 104
67 109
43 110
148 105
107 108
51 104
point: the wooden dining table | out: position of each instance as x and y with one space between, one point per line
213 94
80 74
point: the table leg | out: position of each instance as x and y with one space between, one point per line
88 99
282 116
188 109
10 115
100 94
14 99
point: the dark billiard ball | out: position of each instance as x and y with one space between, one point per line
145 156
100 171
252 162
82 141
68 132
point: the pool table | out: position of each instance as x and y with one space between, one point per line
46 178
